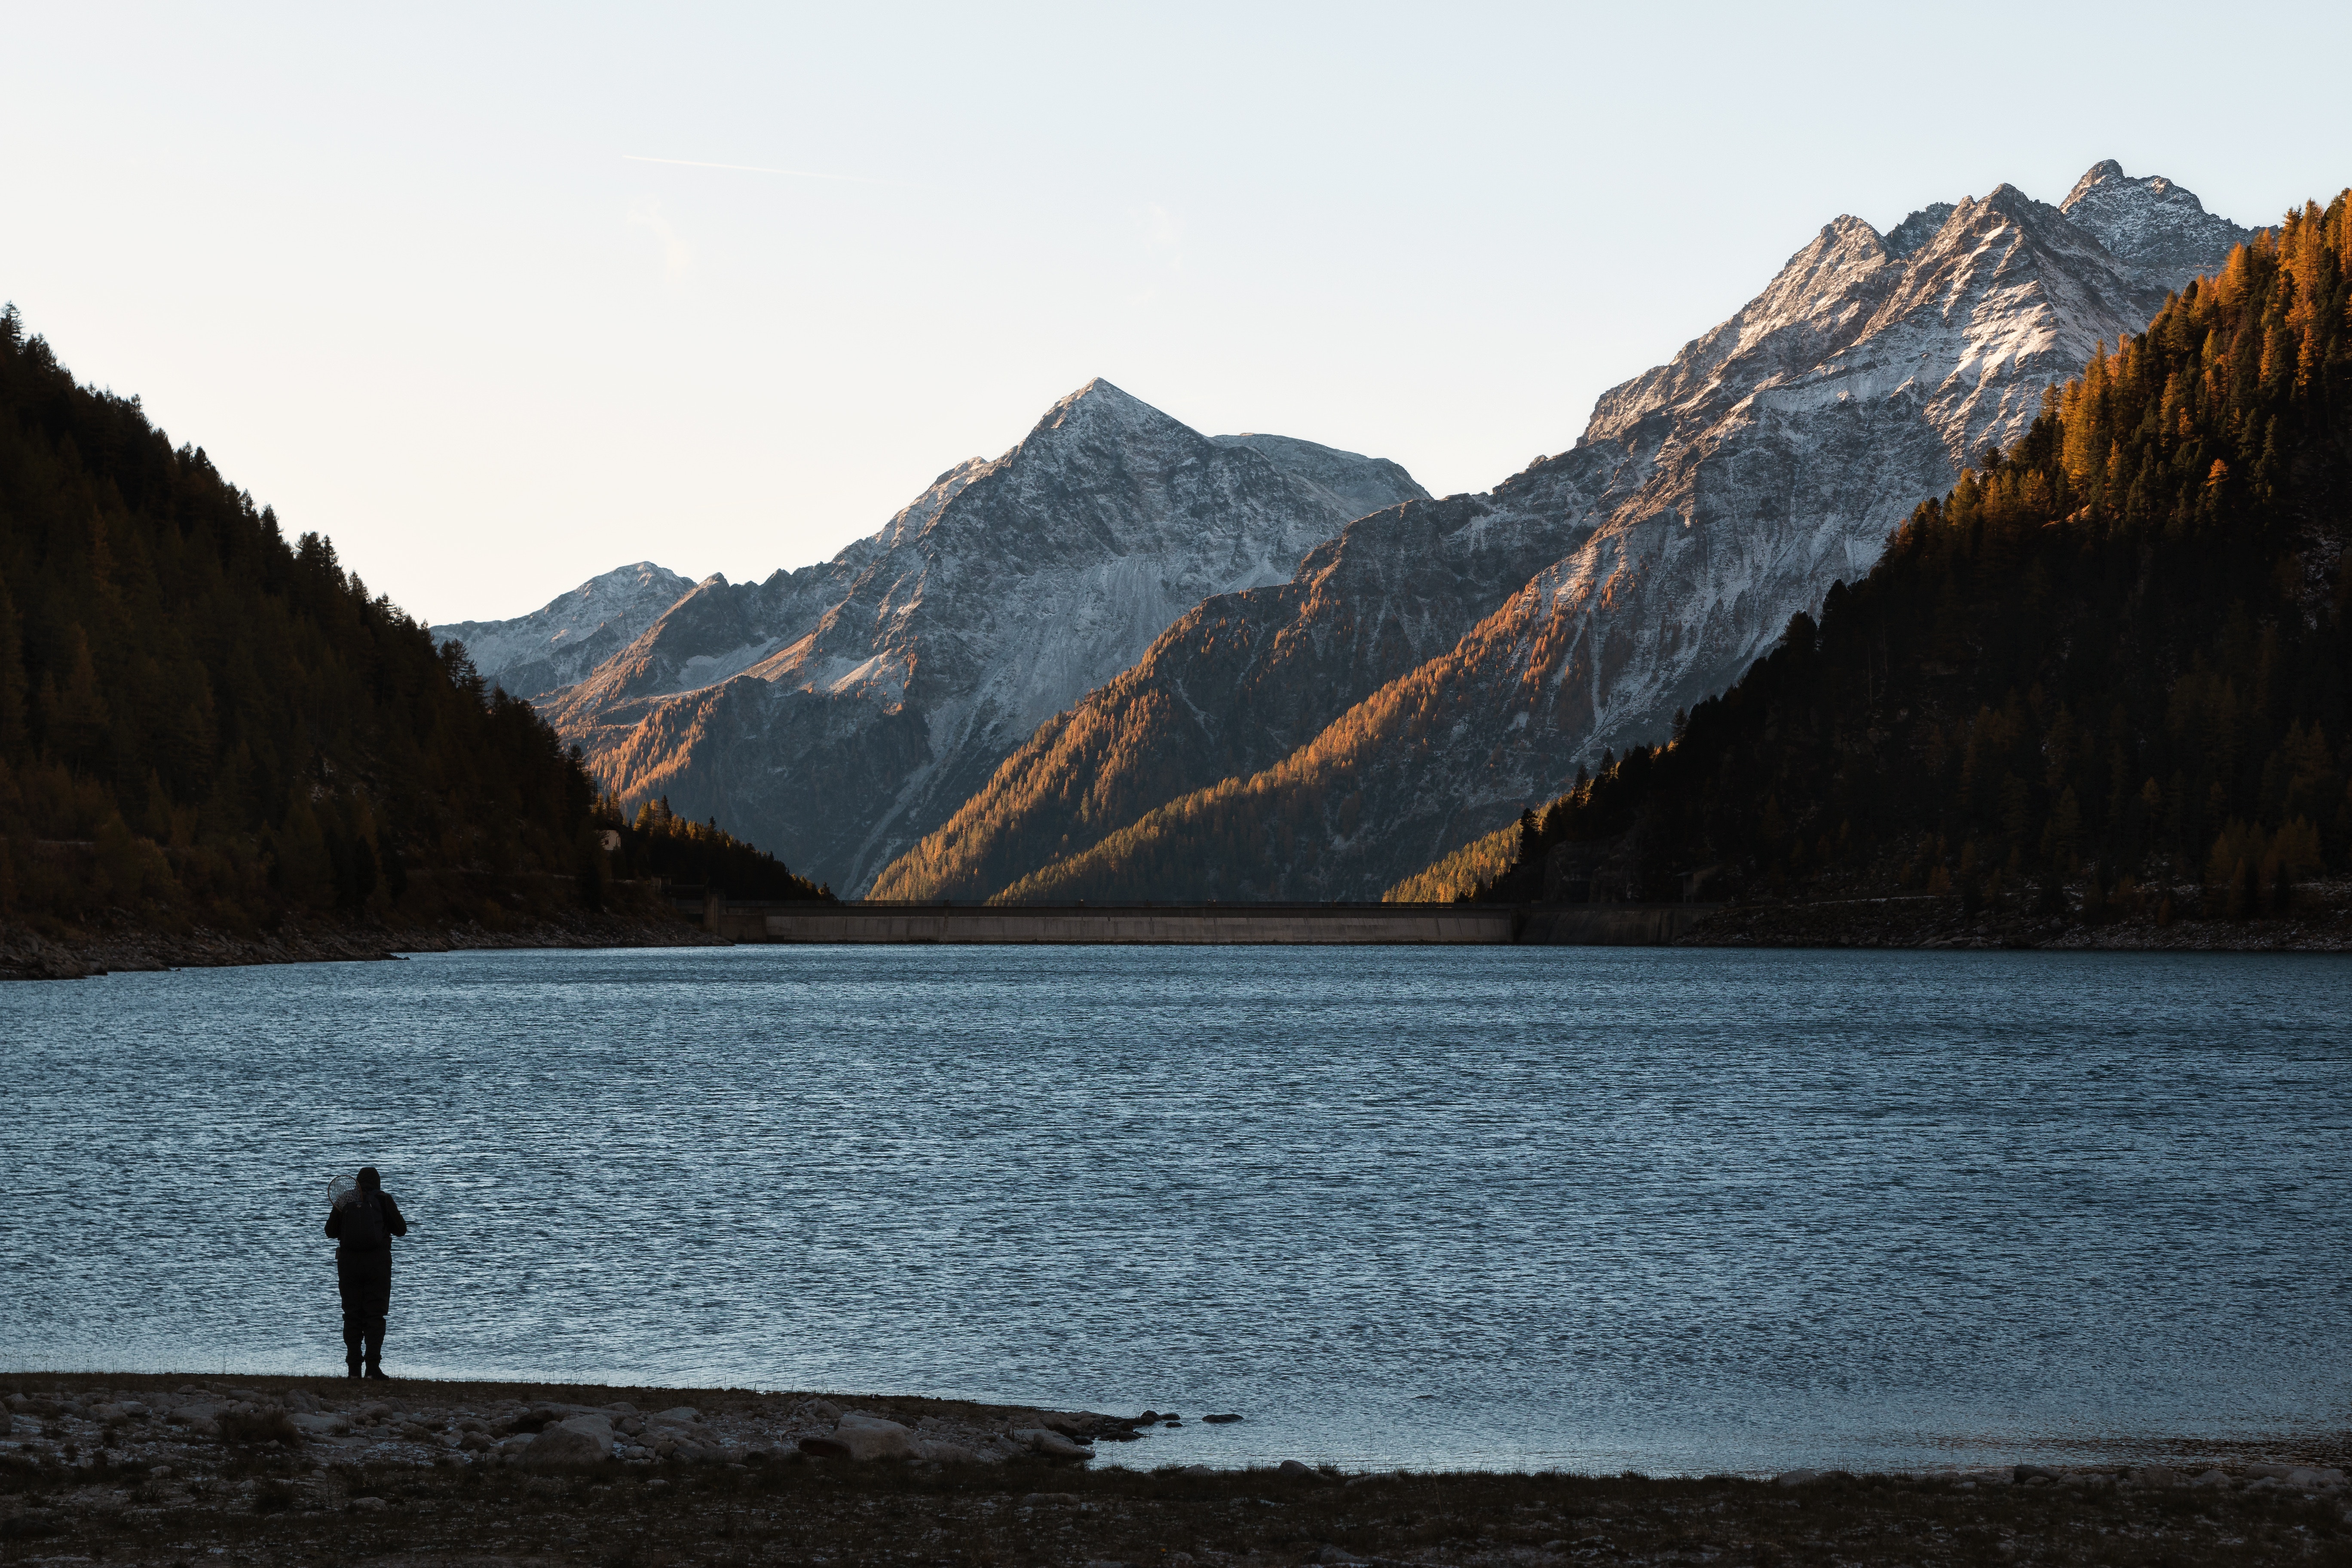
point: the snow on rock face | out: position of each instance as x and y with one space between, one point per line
2151 225
557 645
1709 500
835 714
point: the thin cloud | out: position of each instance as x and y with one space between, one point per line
677 260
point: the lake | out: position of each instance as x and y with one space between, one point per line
1592 1209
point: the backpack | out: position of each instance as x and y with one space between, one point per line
363 1229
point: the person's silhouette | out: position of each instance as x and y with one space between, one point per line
364 1220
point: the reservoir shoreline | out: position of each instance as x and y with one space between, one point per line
2320 921
288 1470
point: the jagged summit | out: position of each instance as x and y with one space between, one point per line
2151 225
1918 229
1101 411
2106 170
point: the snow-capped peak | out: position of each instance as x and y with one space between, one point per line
2151 225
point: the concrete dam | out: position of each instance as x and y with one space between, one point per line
1490 925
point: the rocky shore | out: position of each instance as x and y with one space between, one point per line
2321 922
28 955
287 1470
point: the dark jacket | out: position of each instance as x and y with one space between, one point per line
393 1224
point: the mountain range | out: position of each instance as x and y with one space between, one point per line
836 713
1125 661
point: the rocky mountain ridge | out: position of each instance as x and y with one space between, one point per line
560 644
1709 500
839 713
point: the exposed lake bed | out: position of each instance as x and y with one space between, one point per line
276 1470
1685 1212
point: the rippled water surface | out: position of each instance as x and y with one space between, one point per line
1589 1208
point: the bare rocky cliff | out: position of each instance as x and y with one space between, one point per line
1709 500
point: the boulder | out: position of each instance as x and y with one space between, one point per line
1050 1444
312 1425
940 1451
1797 1477
685 1413
862 1438
579 1440
369 1504
2214 1478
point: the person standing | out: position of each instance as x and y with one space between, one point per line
364 1220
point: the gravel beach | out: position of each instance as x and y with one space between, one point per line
177 1470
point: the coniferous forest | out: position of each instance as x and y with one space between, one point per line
204 722
2111 672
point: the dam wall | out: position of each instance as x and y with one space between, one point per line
1609 925
1198 925
1172 924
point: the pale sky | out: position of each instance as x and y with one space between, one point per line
411 275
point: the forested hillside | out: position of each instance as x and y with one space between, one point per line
2109 670
201 720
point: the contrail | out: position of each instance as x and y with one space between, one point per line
759 169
